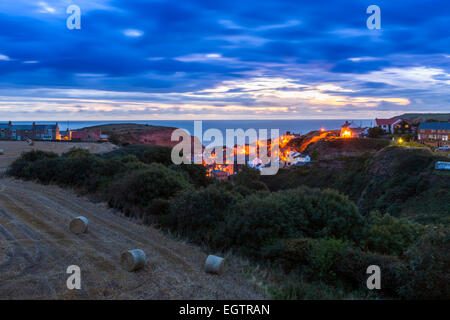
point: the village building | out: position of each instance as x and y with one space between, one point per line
388 125
434 133
256 164
4 130
21 132
86 136
403 127
66 135
220 174
296 159
45 132
24 132
352 130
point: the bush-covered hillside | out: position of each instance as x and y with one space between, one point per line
321 240
400 181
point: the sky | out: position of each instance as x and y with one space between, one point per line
207 59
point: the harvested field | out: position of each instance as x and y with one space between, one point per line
36 247
13 149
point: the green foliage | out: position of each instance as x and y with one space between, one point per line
146 154
429 266
137 189
346 174
200 214
76 153
315 155
291 252
261 220
35 155
352 268
375 132
335 147
396 180
402 183
407 137
71 169
389 235
296 287
316 235
194 173
323 256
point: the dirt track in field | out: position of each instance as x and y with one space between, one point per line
36 248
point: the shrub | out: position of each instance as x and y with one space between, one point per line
352 267
295 287
315 155
76 153
375 132
75 168
389 235
146 154
291 254
36 155
323 256
137 189
194 173
261 220
429 266
156 209
159 154
200 214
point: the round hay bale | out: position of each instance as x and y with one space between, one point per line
214 264
133 260
79 225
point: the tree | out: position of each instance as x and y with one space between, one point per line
137 189
389 235
261 220
375 132
250 178
429 262
200 214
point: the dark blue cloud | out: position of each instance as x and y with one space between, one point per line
311 41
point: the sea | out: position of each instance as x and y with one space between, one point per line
293 126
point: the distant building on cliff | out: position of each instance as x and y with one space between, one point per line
86 135
434 133
352 130
46 132
10 131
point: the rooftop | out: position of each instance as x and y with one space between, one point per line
381 122
434 125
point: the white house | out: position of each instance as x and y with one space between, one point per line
256 164
387 125
296 158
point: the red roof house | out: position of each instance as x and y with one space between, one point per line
387 124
